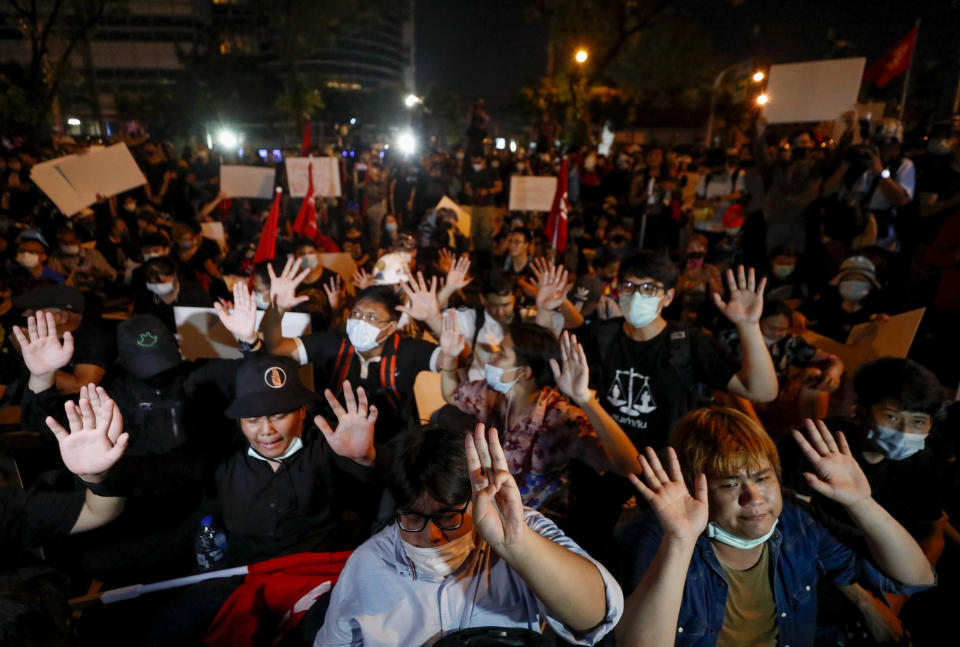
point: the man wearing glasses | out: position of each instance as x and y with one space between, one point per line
464 552
649 372
372 354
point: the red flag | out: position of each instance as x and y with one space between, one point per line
305 146
273 598
267 247
557 220
894 63
308 210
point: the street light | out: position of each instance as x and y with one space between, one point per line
758 77
73 121
227 139
581 56
411 100
406 142
762 100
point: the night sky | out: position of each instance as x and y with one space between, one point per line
489 48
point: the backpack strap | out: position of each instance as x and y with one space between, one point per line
388 370
342 364
480 318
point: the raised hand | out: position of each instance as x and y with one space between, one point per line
458 276
353 437
497 506
362 279
241 319
445 259
836 475
334 292
451 341
42 351
96 439
746 297
283 288
682 516
572 375
551 286
423 302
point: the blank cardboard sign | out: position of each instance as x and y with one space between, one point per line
814 91
871 340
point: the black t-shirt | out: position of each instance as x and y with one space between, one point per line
32 517
394 399
638 385
207 251
319 284
485 178
93 344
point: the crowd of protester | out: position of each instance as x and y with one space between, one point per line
639 441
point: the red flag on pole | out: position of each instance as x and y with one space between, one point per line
557 220
307 216
305 145
267 247
894 63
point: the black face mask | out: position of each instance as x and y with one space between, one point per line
696 255
800 153
162 381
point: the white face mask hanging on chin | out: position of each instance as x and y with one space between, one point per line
719 534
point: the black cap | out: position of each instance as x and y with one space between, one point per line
61 297
146 347
267 384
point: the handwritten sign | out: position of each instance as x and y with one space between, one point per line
532 193
326 176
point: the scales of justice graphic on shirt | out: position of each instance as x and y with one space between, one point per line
637 398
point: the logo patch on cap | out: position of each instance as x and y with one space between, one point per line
275 377
147 340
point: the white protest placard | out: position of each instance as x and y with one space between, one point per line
214 231
55 185
814 91
247 181
326 176
463 215
105 171
532 193
202 336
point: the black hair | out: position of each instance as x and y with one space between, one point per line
385 295
157 267
261 270
499 283
800 131
521 230
535 346
650 264
893 378
775 308
786 249
303 241
154 240
430 460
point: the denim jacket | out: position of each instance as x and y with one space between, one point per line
801 552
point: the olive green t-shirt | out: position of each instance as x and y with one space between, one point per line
750 619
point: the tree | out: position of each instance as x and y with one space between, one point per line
53 29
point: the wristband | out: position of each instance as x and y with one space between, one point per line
100 489
248 348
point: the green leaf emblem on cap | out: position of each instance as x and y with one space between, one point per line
147 340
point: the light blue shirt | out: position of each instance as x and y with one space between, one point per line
381 600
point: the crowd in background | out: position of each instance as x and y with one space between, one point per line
677 314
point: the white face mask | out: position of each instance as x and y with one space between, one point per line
494 377
28 260
782 271
854 290
477 167
147 257
896 445
768 341
363 335
295 445
263 303
716 532
160 289
440 561
309 261
70 250
638 309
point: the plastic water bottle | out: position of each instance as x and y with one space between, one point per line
211 544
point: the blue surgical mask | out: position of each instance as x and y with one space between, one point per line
896 445
638 309
716 532
854 290
494 377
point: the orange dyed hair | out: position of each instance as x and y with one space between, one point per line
721 441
